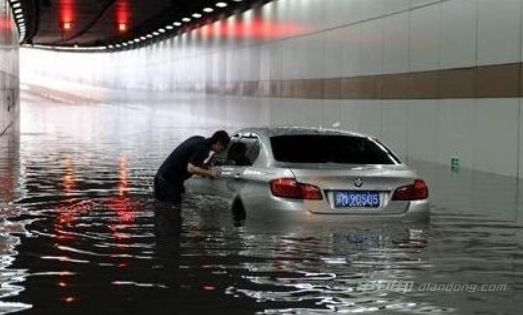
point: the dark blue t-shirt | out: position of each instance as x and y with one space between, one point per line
193 150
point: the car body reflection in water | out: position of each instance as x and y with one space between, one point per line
81 234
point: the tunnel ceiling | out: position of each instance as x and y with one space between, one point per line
106 23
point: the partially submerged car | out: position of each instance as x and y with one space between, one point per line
310 174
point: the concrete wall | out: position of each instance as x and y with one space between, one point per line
9 78
262 67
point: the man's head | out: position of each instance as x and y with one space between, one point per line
219 141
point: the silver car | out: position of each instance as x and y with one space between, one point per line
308 174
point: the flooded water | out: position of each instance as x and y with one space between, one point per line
80 234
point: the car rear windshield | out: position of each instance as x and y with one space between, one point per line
330 149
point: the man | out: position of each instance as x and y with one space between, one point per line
186 160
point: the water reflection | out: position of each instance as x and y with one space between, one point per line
10 231
81 234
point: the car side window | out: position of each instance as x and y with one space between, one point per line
252 148
234 152
243 150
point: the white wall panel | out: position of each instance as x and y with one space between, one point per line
369 9
314 53
393 6
352 9
496 134
456 137
362 116
276 61
371 39
293 59
333 53
418 3
351 50
458 33
396 43
423 140
338 12
499 31
395 126
424 38
331 116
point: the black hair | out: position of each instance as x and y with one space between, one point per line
222 137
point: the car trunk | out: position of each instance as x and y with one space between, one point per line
343 181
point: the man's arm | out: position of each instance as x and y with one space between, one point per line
212 173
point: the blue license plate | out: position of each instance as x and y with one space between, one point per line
356 199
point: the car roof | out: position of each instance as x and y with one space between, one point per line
281 131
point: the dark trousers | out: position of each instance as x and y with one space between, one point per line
165 190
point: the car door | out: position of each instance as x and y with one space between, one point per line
242 155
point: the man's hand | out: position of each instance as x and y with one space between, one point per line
215 172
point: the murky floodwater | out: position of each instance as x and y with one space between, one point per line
80 234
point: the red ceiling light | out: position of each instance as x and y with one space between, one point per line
67 14
123 16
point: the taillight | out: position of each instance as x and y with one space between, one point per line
416 191
290 188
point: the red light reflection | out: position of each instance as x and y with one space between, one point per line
257 29
69 178
5 24
123 175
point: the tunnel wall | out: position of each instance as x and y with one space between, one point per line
9 73
432 79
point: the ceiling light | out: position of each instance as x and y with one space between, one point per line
161 30
156 33
149 36
16 11
169 27
196 15
122 27
137 40
124 44
177 24
66 25
221 4
186 19
143 38
208 10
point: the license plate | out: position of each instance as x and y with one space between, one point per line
356 199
